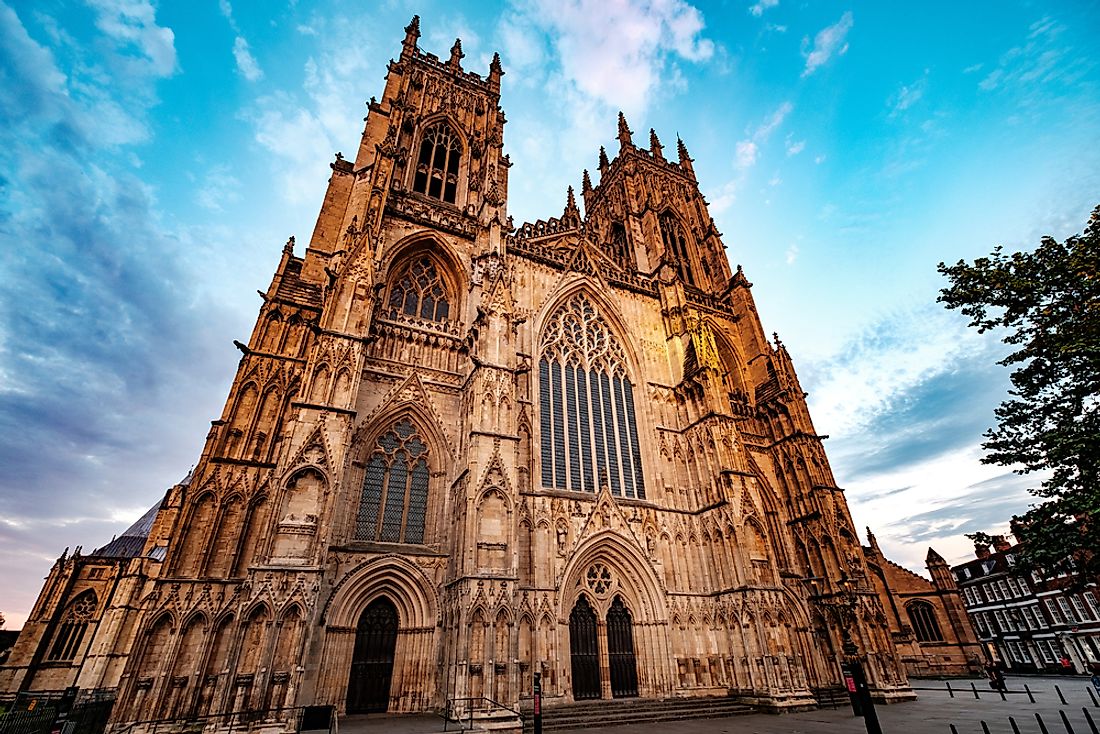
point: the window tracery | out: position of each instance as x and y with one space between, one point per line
394 500
419 291
923 618
437 165
672 233
73 626
586 400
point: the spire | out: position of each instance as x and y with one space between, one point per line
873 541
655 145
288 248
625 141
496 71
603 160
455 62
412 33
571 205
685 159
586 183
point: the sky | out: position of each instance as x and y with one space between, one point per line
155 157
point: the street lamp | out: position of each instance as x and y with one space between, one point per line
843 603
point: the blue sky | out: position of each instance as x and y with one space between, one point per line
154 159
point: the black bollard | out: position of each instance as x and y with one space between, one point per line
949 691
1088 719
1042 726
1093 697
975 689
985 727
537 691
1060 696
1014 725
1001 691
953 729
1065 721
1030 695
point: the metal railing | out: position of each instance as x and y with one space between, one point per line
238 721
452 713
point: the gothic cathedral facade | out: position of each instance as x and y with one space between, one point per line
458 452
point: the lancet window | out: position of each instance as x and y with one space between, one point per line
923 618
74 624
672 233
437 164
419 291
394 500
586 406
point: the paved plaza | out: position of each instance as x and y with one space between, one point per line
932 713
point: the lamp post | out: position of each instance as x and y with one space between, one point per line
843 604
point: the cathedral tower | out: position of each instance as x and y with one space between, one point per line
458 452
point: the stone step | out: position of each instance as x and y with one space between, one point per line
634 711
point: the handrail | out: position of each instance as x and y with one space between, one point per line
470 717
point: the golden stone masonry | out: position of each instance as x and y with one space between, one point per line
457 452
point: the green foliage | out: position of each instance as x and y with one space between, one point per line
1047 304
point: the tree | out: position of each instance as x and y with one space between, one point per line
1048 304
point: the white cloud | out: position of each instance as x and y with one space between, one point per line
746 154
828 42
774 121
791 255
219 188
247 65
762 5
819 159
794 147
907 96
621 70
133 23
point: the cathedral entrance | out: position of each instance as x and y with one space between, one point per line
584 651
372 662
620 651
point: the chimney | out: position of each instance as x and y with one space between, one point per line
981 550
1000 544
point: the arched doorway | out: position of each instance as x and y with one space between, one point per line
584 651
372 662
620 651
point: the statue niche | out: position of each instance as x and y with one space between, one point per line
298 518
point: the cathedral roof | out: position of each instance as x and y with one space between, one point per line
132 540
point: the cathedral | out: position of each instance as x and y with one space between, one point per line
458 452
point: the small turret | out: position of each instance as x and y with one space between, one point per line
412 34
586 183
604 163
496 71
571 209
625 141
939 570
872 541
655 145
455 62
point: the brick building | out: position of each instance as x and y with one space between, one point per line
1029 625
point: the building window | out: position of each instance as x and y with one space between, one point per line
1090 598
1024 588
74 623
395 488
419 291
1083 613
586 406
672 233
1067 611
1019 652
922 616
1055 615
437 164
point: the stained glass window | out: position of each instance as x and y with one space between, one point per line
394 501
74 624
589 433
923 618
437 164
419 291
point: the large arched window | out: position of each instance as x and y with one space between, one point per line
586 406
419 291
676 246
395 488
437 164
922 616
74 623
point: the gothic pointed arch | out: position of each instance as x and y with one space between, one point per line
69 636
589 434
439 158
391 576
674 237
628 573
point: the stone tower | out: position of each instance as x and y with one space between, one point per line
457 452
